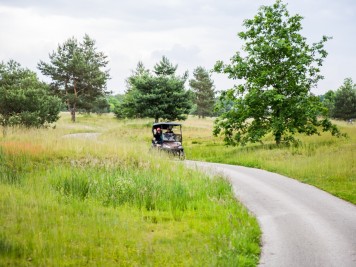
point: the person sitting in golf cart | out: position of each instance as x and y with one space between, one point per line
169 131
169 135
157 137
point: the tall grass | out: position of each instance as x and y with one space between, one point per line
106 201
323 161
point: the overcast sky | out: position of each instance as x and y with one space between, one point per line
190 33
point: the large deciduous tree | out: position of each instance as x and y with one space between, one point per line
345 101
278 70
161 95
78 73
204 95
24 100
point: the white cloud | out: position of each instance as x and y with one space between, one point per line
190 33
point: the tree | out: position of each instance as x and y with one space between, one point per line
159 96
328 100
164 67
97 105
345 101
204 94
77 74
278 71
126 108
115 101
24 100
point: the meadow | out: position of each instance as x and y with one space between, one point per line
102 199
324 161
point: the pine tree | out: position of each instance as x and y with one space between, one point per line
160 96
77 74
345 101
204 94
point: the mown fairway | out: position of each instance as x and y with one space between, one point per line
104 200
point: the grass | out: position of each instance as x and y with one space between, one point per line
326 162
108 202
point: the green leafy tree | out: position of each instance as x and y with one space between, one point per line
24 100
160 96
222 105
345 101
78 73
97 105
204 95
279 69
115 101
328 100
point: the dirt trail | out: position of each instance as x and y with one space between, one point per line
82 135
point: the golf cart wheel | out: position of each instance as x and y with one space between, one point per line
181 155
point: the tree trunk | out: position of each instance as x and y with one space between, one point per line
66 92
156 120
278 137
72 112
278 132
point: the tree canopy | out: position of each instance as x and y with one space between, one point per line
78 73
24 100
345 101
204 95
278 70
161 95
328 100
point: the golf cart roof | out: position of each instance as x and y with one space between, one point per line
165 125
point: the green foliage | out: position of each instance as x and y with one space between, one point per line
345 101
77 75
328 100
164 67
204 94
24 100
97 105
159 96
279 70
114 101
11 168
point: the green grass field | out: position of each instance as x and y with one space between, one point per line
104 200
326 162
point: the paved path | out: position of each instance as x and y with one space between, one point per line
301 225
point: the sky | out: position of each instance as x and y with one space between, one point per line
190 33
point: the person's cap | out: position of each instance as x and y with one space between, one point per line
158 129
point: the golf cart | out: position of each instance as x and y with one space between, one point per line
167 136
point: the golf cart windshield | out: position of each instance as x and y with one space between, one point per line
172 137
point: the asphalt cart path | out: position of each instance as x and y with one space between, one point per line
301 225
